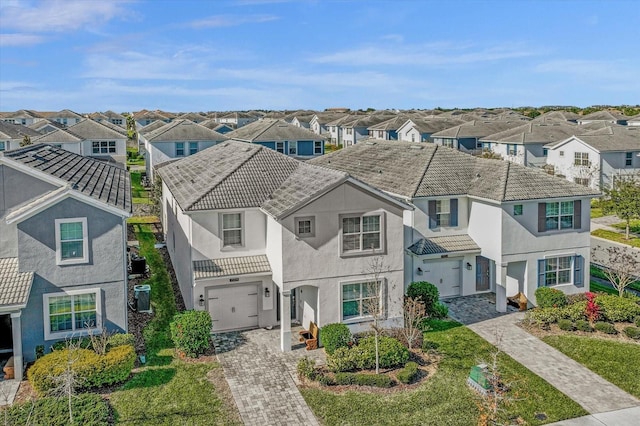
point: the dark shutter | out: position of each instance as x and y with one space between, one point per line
453 204
541 267
578 271
542 217
577 214
432 215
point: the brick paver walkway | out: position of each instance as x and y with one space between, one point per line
263 379
592 392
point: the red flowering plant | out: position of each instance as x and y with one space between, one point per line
592 310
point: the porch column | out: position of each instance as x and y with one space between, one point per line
16 328
501 287
285 321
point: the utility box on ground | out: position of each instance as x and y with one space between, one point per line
142 296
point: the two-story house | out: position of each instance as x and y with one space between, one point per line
466 137
478 225
22 117
280 136
420 129
604 116
258 238
63 240
318 123
12 135
595 158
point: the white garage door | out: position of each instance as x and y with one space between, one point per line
444 274
233 307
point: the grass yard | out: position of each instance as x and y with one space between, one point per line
634 226
596 212
139 194
616 236
597 287
617 362
168 391
596 272
445 398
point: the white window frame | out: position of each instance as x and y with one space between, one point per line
440 212
280 147
85 242
222 230
361 233
3 146
49 335
628 159
557 270
512 149
181 144
559 215
581 159
191 148
362 317
581 181
312 226
317 147
293 148
103 147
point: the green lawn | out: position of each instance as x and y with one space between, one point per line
634 226
597 287
616 236
167 391
617 362
445 398
596 212
596 272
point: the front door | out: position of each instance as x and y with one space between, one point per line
483 274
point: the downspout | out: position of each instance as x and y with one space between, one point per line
126 275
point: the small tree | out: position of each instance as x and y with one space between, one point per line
621 268
26 141
414 315
65 384
623 199
372 302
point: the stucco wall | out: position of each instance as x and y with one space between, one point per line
421 218
178 231
485 227
564 164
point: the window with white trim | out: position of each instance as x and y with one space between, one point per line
305 226
179 149
628 159
512 149
103 147
581 159
280 147
559 215
557 270
71 313
447 142
317 147
232 229
581 181
193 148
361 233
357 298
72 241
293 148
443 212
2 146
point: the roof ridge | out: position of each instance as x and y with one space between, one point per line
168 126
273 123
424 170
506 179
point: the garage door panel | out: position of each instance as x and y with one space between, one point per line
445 275
233 307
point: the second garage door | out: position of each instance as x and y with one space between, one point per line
444 274
233 308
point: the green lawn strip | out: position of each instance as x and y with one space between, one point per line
445 398
597 287
176 394
634 226
143 220
617 362
141 200
597 272
137 190
616 236
596 212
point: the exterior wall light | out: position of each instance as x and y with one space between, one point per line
419 271
201 300
468 266
267 293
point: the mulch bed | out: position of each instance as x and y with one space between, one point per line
554 330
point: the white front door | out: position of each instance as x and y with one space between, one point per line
233 308
444 274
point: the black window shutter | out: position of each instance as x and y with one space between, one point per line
577 214
453 204
432 215
542 217
578 271
542 263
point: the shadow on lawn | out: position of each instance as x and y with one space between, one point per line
151 377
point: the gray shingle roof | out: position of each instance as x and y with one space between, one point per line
183 130
603 115
16 131
557 116
151 127
445 244
14 286
94 178
610 138
272 130
231 266
58 136
534 132
434 124
477 129
428 170
89 129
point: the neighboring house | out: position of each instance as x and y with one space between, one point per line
358 127
318 123
419 129
594 159
280 136
23 117
634 121
115 118
466 137
258 238
65 117
237 119
63 242
302 120
192 116
220 128
525 144
609 117
12 135
144 118
178 139
478 225
388 129
45 126
335 130
91 139
558 116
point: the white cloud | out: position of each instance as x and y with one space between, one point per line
220 21
20 39
596 70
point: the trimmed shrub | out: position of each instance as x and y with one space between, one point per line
377 380
391 353
345 378
440 310
637 321
342 359
306 368
334 336
547 297
191 332
573 312
81 342
566 325
325 380
605 327
575 298
618 309
88 410
582 325
543 316
632 332
408 373
121 339
428 345
91 369
429 295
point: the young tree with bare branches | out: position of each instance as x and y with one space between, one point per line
373 302
621 266
414 314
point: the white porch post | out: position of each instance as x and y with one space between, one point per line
501 287
285 321
16 329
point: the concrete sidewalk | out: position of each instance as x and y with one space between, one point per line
624 417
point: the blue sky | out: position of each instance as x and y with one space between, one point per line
198 55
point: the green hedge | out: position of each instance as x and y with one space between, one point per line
618 309
583 325
91 369
632 332
88 410
362 356
605 327
429 295
191 332
360 379
334 336
566 325
408 373
547 297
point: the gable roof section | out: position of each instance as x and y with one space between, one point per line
151 127
604 115
16 131
183 130
89 129
94 178
15 286
428 170
433 124
607 139
58 136
476 129
534 132
272 130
